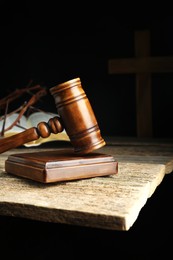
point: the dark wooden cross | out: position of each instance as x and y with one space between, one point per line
142 65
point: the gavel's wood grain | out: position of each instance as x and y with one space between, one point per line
75 115
60 165
43 130
112 202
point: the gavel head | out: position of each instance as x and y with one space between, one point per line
77 116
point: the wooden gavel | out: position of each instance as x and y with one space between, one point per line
75 115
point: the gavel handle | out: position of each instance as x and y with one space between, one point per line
43 130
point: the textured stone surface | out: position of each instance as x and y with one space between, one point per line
112 202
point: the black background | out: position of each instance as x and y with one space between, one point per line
50 45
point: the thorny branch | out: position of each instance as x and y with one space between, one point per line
4 103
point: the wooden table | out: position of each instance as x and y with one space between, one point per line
113 202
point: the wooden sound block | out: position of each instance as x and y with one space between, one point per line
60 165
